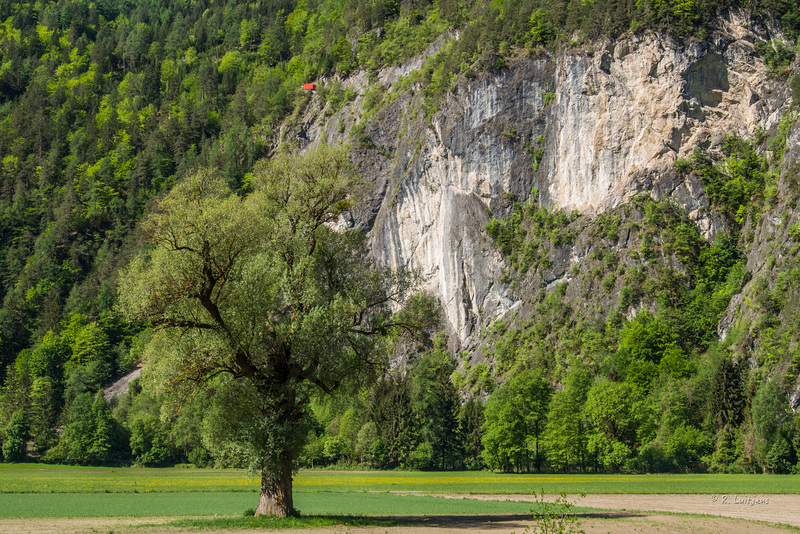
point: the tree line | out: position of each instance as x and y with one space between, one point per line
696 420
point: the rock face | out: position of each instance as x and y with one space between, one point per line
588 128
447 176
630 109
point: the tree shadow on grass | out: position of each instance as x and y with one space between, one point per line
482 522
497 521
306 521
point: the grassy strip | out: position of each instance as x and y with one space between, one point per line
33 466
485 482
226 504
281 523
376 504
40 478
124 504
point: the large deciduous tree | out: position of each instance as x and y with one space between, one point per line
261 294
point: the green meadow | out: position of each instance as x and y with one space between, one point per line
226 504
41 478
477 482
37 490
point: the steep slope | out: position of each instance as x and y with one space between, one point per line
589 128
624 113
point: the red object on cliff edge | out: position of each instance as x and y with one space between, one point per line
309 86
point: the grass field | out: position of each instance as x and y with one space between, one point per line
483 482
40 478
43 491
217 503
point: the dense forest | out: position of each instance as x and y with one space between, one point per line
105 106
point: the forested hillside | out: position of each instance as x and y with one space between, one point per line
671 347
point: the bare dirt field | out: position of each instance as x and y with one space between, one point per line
630 513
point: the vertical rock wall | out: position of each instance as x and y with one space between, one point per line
632 107
610 121
448 174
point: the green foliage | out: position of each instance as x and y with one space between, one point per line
438 399
686 448
414 421
404 38
620 416
726 398
49 356
608 227
16 437
541 27
645 338
554 517
648 397
770 414
471 421
795 86
91 437
421 457
397 424
676 364
336 96
565 433
777 56
515 419
736 181
149 441
44 412
528 232
778 143
682 166
368 444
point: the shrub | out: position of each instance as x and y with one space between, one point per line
554 517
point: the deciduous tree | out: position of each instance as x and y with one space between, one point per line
516 415
262 295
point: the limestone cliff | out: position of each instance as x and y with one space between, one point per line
624 113
589 127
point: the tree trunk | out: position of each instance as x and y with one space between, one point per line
276 492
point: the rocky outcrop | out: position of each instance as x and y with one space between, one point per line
120 387
625 112
447 175
589 128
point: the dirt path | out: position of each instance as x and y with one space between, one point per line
633 513
605 523
783 509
